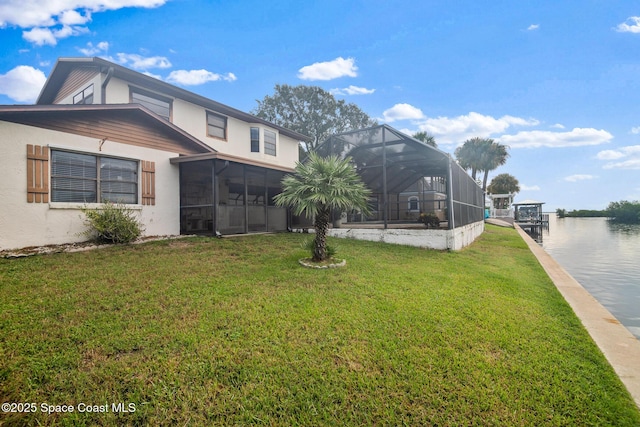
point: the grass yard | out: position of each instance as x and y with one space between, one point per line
233 331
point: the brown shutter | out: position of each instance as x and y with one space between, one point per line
37 174
148 183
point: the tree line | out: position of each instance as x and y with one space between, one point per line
624 212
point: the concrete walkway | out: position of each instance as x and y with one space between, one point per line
620 347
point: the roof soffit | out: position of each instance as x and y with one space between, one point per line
65 65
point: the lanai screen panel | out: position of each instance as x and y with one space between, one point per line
407 160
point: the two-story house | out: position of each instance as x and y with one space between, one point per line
101 132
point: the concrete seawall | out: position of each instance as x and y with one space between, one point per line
619 346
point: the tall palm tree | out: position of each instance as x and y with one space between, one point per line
481 154
319 185
469 155
493 156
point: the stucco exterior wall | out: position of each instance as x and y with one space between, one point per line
192 118
430 239
25 224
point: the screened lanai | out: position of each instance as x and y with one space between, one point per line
407 177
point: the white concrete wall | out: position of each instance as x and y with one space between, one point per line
431 239
193 119
25 224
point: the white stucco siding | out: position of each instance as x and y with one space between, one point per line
117 92
25 224
192 119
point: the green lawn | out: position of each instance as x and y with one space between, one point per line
233 331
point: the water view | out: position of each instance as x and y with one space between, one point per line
604 258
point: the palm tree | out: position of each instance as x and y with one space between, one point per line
504 184
493 156
319 185
481 154
469 155
426 137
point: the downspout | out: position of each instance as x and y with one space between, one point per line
103 92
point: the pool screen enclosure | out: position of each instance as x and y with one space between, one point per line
394 165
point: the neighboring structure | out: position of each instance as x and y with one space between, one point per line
407 177
500 205
101 132
528 211
528 215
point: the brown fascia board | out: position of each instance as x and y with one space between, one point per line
8 110
221 156
64 65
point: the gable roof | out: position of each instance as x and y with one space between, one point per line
126 123
64 66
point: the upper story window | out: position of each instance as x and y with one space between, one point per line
269 142
158 104
86 178
255 140
216 125
85 96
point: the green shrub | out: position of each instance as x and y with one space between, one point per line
429 219
112 223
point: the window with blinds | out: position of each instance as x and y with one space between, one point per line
157 104
269 142
255 140
216 125
85 178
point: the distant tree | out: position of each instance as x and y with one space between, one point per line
319 185
624 212
311 111
481 154
503 184
426 137
493 156
561 213
468 155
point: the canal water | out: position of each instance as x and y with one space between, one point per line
604 258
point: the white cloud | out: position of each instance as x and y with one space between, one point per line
92 50
629 156
533 27
198 77
47 36
139 62
73 17
458 129
631 25
22 84
402 112
579 177
40 37
329 70
352 90
38 16
524 187
558 126
635 130
577 137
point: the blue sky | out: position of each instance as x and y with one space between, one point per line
556 81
